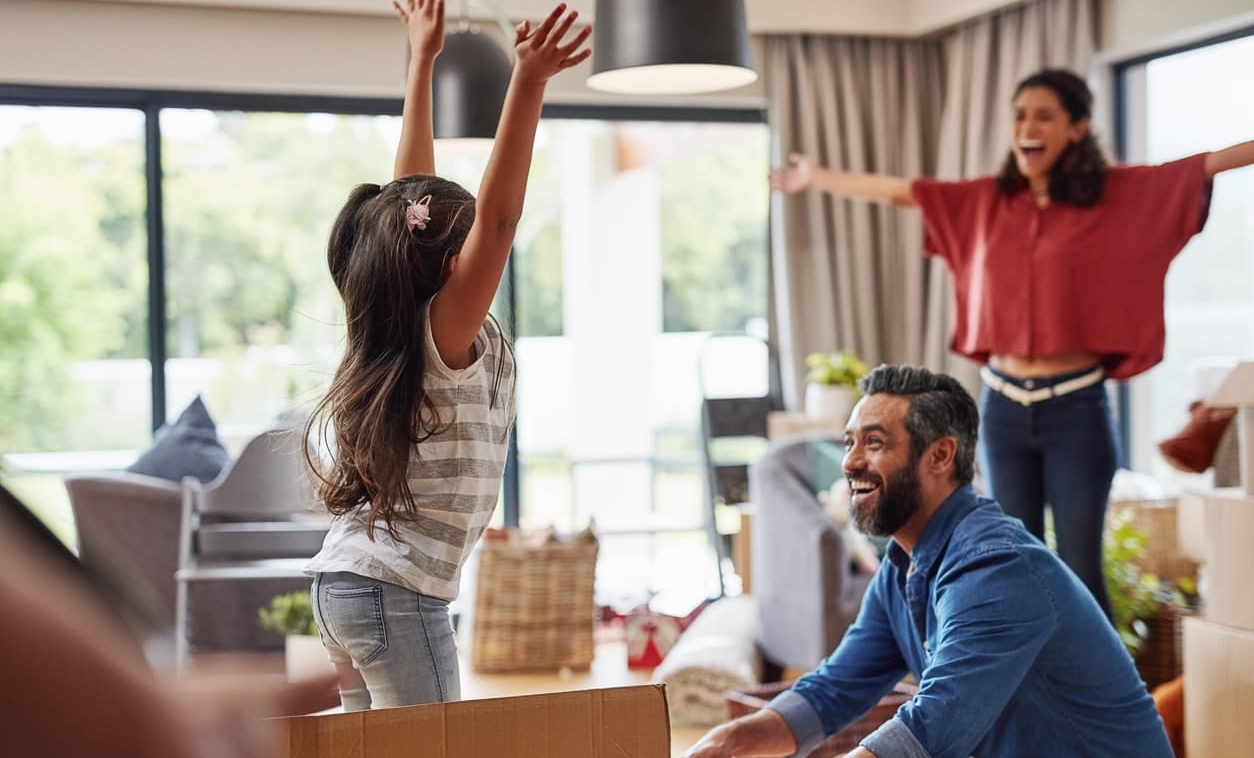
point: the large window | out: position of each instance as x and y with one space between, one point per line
639 239
1177 105
73 294
253 320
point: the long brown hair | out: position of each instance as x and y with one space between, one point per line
1079 175
377 406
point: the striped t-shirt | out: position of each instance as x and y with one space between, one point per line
454 475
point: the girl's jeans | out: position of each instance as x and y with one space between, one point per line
1062 451
390 646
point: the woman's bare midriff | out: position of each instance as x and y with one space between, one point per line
1024 367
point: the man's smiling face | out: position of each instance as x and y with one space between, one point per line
882 472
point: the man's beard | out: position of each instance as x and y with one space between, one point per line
898 501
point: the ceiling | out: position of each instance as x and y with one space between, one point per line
877 17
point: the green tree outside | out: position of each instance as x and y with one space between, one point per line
72 278
714 226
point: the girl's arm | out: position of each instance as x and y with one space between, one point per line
1229 158
801 174
424 20
461 305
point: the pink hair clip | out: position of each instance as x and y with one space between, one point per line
418 213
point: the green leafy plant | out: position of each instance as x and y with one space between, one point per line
841 369
291 613
1136 595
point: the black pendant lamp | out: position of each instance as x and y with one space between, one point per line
468 86
665 47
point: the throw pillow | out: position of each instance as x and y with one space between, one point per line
188 447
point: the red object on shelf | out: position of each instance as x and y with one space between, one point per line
651 634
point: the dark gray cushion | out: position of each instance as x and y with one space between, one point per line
188 447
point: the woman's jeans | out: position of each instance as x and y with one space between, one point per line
1062 451
390 646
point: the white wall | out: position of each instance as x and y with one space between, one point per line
343 47
145 45
1136 25
354 48
123 45
886 17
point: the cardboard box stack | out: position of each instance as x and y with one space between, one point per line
1217 526
616 722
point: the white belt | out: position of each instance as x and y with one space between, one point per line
1028 397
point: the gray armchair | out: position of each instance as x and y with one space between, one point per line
807 591
128 529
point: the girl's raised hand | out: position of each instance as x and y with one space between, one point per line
542 53
424 20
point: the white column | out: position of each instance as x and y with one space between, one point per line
612 278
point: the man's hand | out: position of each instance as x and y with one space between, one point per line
712 745
761 735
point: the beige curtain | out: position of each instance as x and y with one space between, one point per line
849 274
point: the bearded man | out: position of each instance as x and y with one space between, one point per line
1012 654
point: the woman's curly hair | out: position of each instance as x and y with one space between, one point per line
1079 175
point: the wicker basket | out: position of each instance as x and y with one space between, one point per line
1157 518
534 607
1161 658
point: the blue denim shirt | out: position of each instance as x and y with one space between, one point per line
1013 656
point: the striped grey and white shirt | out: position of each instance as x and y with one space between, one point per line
454 475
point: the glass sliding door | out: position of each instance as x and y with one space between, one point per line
74 374
254 323
639 239
1178 105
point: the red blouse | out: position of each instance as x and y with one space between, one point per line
1032 281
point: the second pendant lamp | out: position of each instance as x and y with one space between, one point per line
670 46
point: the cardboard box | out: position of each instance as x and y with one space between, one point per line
1226 596
1237 391
617 722
1191 526
1218 689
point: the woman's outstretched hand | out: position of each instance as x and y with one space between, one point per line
424 20
541 52
795 177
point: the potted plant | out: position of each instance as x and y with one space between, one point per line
832 384
1144 605
291 614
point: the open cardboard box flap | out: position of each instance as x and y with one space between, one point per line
616 722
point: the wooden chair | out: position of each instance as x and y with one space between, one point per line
733 435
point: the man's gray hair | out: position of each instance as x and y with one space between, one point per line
939 407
